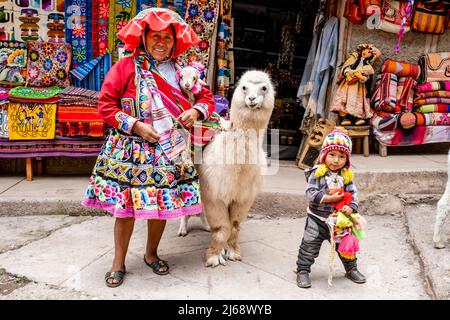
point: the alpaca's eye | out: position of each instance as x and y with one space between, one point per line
181 77
264 88
244 88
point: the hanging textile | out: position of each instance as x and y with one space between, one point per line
120 12
100 27
79 30
224 54
175 5
91 74
25 20
324 65
202 17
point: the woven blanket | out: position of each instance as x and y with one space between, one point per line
416 136
428 108
31 121
79 121
4 94
59 147
431 94
92 74
30 94
405 93
433 86
387 123
74 93
420 102
401 69
432 119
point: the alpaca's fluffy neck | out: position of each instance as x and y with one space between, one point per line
247 119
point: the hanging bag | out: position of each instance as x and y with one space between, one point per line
429 17
435 67
392 13
354 11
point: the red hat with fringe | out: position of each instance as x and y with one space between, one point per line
158 19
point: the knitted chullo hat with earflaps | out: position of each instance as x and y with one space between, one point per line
340 141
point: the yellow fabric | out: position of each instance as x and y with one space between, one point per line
31 121
347 174
321 171
343 221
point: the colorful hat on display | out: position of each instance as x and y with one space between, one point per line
336 140
158 19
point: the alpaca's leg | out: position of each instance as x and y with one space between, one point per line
238 212
217 216
441 215
182 230
204 222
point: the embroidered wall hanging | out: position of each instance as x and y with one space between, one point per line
13 59
32 20
48 64
120 12
175 5
100 27
202 17
31 121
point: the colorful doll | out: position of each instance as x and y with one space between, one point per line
351 100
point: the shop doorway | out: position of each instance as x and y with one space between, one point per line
275 36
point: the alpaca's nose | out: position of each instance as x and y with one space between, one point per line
252 98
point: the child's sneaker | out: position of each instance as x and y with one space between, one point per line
303 280
355 276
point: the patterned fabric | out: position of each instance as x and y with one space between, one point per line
433 86
435 67
133 178
100 27
435 100
224 55
202 16
384 97
58 147
4 120
336 140
416 136
48 64
432 119
4 94
405 94
431 94
75 95
31 121
79 121
176 5
120 13
79 30
401 69
30 93
91 74
13 60
428 108
387 123
32 20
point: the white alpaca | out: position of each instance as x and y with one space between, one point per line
443 208
230 175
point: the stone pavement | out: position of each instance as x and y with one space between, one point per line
51 249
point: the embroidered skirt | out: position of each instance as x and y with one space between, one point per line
133 178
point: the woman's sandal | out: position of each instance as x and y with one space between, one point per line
115 275
157 265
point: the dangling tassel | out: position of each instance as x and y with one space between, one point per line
347 174
348 247
331 256
321 170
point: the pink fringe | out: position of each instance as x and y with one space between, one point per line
143 214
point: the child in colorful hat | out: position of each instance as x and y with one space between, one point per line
332 210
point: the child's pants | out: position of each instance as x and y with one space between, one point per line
316 231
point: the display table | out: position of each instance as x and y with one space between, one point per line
58 147
360 135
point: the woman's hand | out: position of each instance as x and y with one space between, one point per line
189 117
146 131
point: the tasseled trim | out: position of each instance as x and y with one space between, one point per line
347 174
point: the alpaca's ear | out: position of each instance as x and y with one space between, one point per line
203 83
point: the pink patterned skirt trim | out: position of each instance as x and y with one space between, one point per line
143 214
